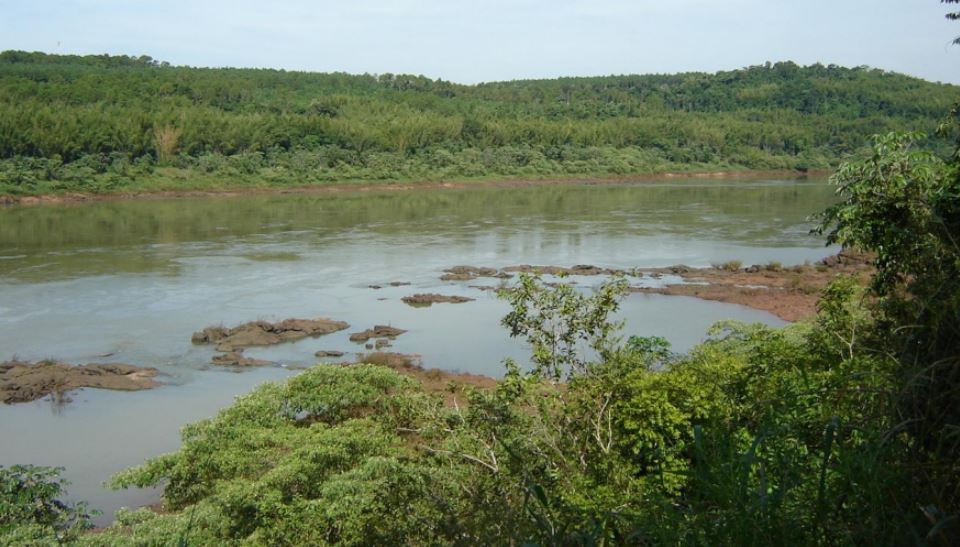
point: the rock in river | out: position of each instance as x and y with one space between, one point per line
21 381
237 359
379 331
262 333
424 300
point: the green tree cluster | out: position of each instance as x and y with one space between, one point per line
107 123
953 16
31 512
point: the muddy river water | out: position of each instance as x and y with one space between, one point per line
129 281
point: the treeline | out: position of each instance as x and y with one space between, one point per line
99 122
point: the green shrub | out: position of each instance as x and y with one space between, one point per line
31 511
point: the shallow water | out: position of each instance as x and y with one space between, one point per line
134 279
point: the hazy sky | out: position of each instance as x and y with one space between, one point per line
496 40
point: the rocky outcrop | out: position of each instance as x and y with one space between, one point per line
379 331
263 333
237 359
428 299
22 381
579 269
466 273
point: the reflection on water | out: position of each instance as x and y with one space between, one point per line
134 279
641 225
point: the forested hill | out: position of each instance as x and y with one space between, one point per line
103 123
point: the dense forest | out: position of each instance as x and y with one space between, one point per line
113 123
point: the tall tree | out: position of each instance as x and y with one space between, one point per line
953 16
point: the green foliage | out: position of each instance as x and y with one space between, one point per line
756 436
561 323
317 460
101 123
903 206
953 16
901 203
31 511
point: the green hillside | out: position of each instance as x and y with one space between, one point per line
107 123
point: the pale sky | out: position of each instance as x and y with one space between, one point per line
470 42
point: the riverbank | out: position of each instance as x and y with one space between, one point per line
790 293
245 188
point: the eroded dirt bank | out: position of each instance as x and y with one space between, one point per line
21 381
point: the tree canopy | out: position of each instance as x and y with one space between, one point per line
107 122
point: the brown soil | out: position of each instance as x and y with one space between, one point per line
453 385
424 300
74 197
262 333
21 381
789 293
328 353
379 331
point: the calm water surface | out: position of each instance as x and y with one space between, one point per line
134 279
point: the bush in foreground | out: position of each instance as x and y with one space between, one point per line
31 512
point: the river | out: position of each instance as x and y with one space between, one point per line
129 281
